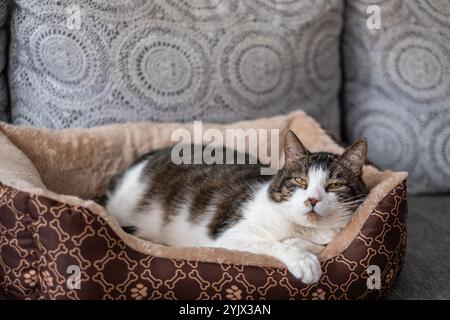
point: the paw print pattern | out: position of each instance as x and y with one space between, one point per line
139 292
319 294
344 277
234 293
390 275
47 278
31 278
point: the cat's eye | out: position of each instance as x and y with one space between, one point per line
334 186
301 182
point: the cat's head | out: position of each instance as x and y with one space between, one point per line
319 189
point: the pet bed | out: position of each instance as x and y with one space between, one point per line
53 232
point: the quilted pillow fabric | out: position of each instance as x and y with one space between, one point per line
397 87
85 63
3 39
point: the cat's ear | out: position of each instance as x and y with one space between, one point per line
355 156
293 147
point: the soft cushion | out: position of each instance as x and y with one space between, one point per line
49 221
397 87
84 63
4 103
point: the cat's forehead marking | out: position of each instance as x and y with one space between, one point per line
317 175
322 160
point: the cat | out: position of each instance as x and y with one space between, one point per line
290 216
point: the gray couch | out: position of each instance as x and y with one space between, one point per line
426 273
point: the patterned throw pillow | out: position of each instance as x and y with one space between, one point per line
397 88
81 63
3 38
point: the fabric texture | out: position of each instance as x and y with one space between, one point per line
85 63
4 103
397 88
44 189
426 274
79 163
42 239
411 284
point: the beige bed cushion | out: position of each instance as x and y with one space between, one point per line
75 165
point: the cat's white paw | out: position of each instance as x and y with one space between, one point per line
303 265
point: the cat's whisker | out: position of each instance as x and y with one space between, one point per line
354 199
349 206
358 196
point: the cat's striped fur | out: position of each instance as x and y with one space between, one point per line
290 215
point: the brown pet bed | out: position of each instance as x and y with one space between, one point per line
48 223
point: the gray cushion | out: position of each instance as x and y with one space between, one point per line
426 273
171 60
397 88
3 38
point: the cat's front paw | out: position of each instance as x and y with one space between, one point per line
305 244
304 266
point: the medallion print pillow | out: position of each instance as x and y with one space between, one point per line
85 63
4 104
397 88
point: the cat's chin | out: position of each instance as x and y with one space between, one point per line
313 217
308 218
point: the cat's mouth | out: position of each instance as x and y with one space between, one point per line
312 211
313 216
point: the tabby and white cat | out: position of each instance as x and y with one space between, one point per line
291 215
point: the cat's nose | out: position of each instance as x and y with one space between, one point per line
313 201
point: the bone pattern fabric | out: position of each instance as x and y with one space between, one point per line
84 63
3 45
397 87
81 163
